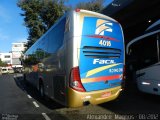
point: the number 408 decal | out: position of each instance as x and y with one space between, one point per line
105 43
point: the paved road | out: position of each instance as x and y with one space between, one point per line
18 101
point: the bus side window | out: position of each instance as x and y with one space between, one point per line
56 37
41 51
158 40
30 56
143 53
67 25
148 53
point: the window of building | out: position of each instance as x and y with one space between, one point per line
7 56
17 45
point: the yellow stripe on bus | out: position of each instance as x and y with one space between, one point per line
96 70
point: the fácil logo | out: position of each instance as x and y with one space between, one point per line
99 61
103 26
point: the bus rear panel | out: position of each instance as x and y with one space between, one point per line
98 76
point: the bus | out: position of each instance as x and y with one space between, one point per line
79 60
144 52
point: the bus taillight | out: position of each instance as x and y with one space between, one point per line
124 72
77 10
75 81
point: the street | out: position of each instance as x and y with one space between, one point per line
22 102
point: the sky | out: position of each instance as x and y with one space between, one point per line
11 23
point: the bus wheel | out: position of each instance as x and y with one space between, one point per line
24 77
41 90
25 80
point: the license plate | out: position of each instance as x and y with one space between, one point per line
106 94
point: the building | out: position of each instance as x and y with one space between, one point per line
6 57
17 52
18 46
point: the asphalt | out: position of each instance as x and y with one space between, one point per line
23 102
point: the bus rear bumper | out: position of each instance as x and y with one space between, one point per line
78 99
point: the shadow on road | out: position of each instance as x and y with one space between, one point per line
133 101
34 93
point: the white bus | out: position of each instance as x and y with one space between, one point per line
79 60
144 55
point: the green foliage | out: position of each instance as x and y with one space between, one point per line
31 60
2 64
40 15
51 11
92 5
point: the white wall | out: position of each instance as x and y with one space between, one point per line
6 57
18 47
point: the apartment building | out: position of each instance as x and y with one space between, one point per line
17 52
6 57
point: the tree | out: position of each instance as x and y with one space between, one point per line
92 5
2 64
40 15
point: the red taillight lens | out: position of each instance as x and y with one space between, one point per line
77 10
75 80
123 78
124 72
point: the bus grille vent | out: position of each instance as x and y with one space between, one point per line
101 52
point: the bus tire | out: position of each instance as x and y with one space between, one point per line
24 77
25 80
41 90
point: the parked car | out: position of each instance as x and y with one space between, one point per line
17 69
0 71
6 70
10 70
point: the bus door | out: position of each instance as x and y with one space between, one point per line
101 59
